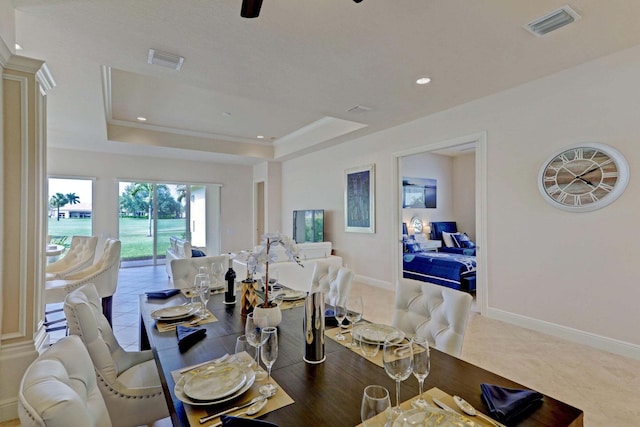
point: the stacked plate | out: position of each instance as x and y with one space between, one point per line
431 417
292 294
175 312
379 333
214 383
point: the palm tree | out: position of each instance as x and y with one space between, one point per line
146 190
72 198
58 200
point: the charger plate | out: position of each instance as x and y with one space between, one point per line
431 417
174 312
292 294
379 334
215 382
178 389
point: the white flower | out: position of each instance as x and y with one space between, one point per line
263 255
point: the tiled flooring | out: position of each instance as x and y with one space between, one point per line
605 386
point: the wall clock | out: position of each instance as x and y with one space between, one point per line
416 224
583 177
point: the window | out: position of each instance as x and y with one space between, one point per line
70 209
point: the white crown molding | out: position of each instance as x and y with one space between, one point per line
610 345
5 53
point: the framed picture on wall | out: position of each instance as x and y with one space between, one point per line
359 199
419 192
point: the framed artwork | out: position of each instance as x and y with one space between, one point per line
419 192
359 199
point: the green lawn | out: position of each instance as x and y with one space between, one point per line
134 234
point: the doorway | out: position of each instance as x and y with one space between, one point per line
479 141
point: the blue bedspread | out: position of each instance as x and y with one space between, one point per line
450 270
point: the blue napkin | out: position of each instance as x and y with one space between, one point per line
507 404
187 336
167 293
229 421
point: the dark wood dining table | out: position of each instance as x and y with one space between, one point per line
329 393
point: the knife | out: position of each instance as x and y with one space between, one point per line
447 408
244 405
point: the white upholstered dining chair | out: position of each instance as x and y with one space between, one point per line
435 312
129 380
103 274
332 280
79 256
184 270
59 389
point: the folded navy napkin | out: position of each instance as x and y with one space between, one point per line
507 404
167 293
187 336
229 421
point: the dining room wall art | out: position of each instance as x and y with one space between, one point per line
359 199
419 192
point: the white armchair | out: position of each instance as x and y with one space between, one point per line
59 389
435 312
79 256
184 270
103 274
332 280
129 381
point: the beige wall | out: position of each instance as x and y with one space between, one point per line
236 180
569 273
464 193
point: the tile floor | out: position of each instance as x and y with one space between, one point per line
605 386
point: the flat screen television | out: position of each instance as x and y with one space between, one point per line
308 225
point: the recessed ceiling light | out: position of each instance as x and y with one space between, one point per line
260 137
141 119
18 47
423 80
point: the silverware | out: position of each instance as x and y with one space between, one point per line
448 408
241 406
468 409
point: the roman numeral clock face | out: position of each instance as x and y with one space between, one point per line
583 178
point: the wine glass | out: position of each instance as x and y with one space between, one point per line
397 358
421 367
375 401
216 271
254 336
242 353
340 312
354 314
204 290
269 353
369 341
194 291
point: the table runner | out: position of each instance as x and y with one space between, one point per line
171 326
194 413
445 398
331 333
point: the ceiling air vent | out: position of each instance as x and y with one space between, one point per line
552 21
358 109
164 59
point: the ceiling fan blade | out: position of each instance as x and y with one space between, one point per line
250 8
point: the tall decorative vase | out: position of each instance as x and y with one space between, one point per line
248 297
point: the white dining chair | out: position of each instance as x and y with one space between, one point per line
59 389
435 312
79 256
332 280
184 270
129 380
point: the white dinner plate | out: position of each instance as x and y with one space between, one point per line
174 312
215 382
178 389
430 417
380 333
292 294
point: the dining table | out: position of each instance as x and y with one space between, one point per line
327 393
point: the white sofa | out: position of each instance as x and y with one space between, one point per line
290 274
178 249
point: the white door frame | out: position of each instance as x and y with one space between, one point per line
480 139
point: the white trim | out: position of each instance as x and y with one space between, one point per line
374 282
21 355
5 53
481 141
45 78
610 345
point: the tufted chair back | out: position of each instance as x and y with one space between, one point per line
80 255
59 389
438 313
184 270
129 381
333 281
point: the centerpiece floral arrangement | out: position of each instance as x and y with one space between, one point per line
264 255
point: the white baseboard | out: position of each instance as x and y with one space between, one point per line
597 341
374 282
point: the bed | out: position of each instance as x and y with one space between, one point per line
465 247
453 267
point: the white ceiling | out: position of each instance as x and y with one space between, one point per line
292 73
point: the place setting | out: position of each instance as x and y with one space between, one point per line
188 314
233 385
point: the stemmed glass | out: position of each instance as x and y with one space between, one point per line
355 310
375 401
194 291
216 271
269 352
421 367
398 363
340 312
254 337
204 290
242 352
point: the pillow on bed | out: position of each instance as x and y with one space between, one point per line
463 241
448 239
413 247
